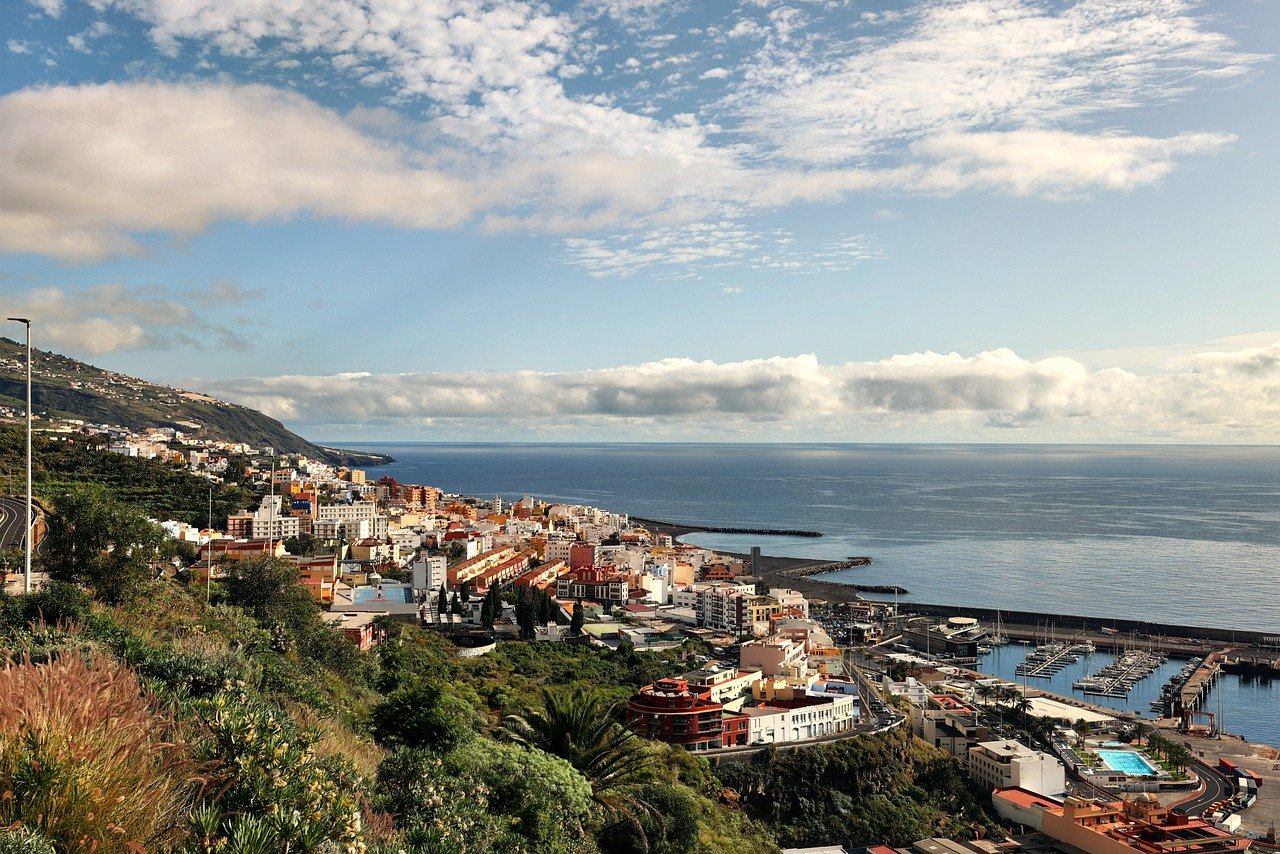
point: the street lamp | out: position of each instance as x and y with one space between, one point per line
26 575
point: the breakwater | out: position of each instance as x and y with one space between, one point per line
1125 630
811 570
681 528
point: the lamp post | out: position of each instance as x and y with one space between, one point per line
26 573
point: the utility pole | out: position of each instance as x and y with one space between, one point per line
208 558
271 525
26 570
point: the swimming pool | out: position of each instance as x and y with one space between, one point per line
1127 762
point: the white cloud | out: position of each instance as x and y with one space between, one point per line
96 165
1221 395
950 96
1048 163
712 245
964 65
110 318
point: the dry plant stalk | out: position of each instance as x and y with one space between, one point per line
86 759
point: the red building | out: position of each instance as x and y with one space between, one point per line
595 584
582 556
668 711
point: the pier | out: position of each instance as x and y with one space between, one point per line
1047 660
1117 679
1196 688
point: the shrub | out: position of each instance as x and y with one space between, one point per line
487 796
270 773
57 602
420 714
86 760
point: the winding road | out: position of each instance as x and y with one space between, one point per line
1216 788
11 530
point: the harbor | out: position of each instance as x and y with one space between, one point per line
1117 679
1047 660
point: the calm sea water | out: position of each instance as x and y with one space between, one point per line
1182 534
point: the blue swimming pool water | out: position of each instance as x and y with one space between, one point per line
1127 762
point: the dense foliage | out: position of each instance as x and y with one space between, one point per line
156 488
891 788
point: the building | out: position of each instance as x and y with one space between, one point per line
429 572
772 656
722 685
1011 764
669 710
1137 826
544 576
595 584
472 568
349 516
957 638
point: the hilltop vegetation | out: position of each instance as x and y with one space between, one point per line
65 388
158 489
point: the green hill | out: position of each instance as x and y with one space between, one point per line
65 388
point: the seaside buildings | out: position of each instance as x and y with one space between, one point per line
1139 825
1011 764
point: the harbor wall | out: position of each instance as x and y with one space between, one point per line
1237 637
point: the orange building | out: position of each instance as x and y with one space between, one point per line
1141 825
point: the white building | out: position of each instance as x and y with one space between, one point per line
916 692
1002 764
722 685
270 521
771 725
355 512
429 572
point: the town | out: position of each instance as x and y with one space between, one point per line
778 670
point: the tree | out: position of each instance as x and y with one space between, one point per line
466 592
545 614
271 590
526 613
583 730
420 714
578 620
96 540
455 607
491 607
442 606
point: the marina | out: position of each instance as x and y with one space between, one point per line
1047 660
1117 679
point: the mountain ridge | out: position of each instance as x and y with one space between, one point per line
67 388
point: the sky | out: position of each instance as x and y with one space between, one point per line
653 220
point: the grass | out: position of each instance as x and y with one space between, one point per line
87 760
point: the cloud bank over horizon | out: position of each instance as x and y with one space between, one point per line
1229 395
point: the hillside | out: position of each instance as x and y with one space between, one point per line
64 388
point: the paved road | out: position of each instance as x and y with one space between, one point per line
1216 788
11 513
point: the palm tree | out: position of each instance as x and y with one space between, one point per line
584 731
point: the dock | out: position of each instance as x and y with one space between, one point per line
1117 679
1196 688
1047 660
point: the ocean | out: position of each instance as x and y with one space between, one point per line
1178 534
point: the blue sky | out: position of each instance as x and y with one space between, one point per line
992 220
